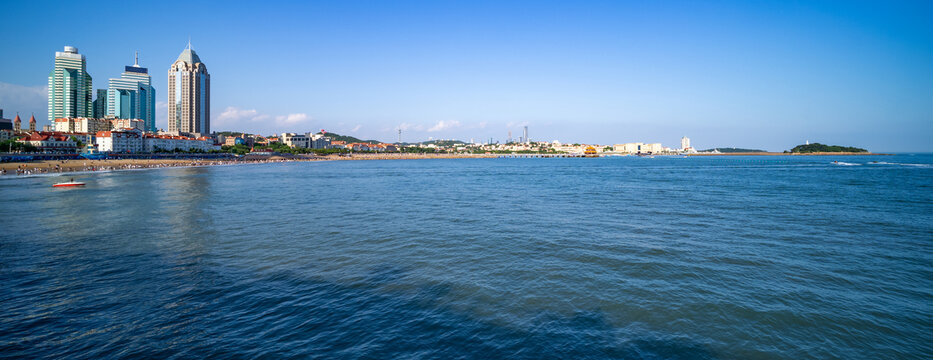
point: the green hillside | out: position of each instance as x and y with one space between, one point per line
348 139
817 147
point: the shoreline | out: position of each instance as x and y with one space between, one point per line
50 167
84 166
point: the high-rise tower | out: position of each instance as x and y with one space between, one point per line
132 96
189 95
100 104
70 86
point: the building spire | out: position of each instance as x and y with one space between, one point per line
189 43
136 63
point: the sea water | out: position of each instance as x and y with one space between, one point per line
788 257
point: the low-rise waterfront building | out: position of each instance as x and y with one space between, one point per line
94 125
50 142
638 148
305 141
359 146
294 140
318 141
153 143
129 124
120 141
84 125
133 140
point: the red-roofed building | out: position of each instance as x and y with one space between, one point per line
388 147
153 143
359 146
49 142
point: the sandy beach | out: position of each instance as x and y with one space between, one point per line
66 166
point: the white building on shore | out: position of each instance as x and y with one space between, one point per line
306 140
120 141
638 148
92 125
136 141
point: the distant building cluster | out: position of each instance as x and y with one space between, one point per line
122 117
525 145
322 141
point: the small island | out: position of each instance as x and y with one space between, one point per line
820 148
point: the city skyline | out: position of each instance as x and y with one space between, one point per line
850 74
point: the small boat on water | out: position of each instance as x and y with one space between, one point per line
71 183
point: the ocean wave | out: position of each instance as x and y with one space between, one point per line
902 164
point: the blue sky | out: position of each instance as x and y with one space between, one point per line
759 74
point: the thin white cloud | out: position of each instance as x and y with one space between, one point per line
444 125
24 99
356 128
239 119
232 113
411 127
292 119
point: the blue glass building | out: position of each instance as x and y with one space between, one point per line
132 96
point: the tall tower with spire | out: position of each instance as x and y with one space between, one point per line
189 94
132 96
32 123
17 123
70 86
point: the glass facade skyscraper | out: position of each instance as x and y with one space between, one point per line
132 96
189 95
70 92
100 104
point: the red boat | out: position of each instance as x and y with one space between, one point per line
71 183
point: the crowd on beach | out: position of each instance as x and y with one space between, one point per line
71 166
63 166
